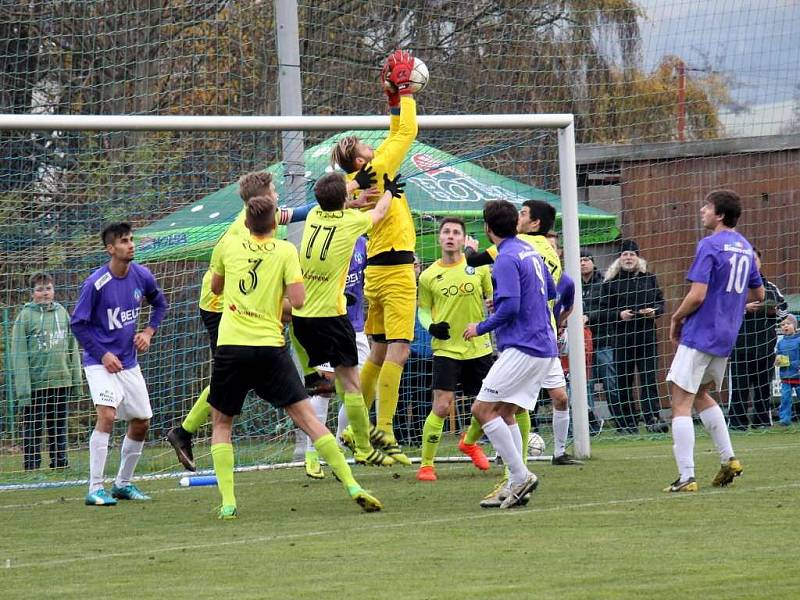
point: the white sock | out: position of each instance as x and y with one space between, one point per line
320 406
683 446
300 443
341 422
130 454
560 431
98 451
499 434
714 422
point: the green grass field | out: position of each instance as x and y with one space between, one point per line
603 530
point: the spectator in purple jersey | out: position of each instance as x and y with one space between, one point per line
527 345
724 277
104 322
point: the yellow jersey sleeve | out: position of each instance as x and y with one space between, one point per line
396 230
492 252
327 246
256 270
546 251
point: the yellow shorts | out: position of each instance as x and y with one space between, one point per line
391 292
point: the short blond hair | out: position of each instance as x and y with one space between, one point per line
254 184
344 153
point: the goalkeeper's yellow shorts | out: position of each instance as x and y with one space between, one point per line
391 292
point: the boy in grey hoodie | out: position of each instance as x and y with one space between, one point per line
46 368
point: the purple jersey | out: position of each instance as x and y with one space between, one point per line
106 315
565 295
522 287
724 261
354 288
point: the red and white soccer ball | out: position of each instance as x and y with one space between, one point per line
536 444
419 76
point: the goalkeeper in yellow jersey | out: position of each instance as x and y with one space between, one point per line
536 218
452 295
257 183
390 287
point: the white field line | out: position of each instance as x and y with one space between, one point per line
483 514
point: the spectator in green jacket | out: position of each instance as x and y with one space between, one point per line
46 370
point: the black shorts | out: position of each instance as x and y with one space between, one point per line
268 370
211 321
449 372
327 340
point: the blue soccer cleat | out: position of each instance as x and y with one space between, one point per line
100 498
129 492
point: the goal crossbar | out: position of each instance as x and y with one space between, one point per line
274 123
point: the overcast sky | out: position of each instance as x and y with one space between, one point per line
756 41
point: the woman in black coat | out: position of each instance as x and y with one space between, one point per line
630 302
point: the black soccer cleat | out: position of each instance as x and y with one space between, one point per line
181 440
566 459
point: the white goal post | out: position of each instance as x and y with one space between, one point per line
564 123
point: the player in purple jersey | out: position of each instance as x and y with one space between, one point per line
724 278
527 345
104 323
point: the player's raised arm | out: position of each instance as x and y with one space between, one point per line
403 109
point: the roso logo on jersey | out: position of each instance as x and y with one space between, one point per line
252 246
463 289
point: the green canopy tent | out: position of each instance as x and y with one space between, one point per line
438 184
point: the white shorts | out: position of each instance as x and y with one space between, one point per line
125 391
517 378
692 368
555 377
362 345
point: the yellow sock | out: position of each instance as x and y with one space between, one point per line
359 421
331 453
473 432
388 394
524 422
369 379
222 455
431 434
198 415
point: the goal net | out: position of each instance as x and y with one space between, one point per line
178 188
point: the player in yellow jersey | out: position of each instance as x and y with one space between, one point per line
256 271
257 183
390 286
321 324
452 295
536 218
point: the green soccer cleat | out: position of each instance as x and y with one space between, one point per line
348 439
373 457
387 442
129 492
100 498
365 500
313 468
678 486
227 513
728 472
